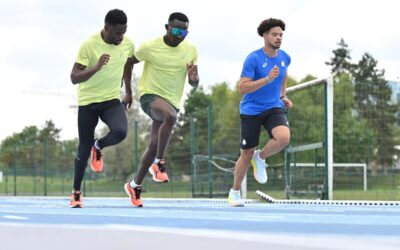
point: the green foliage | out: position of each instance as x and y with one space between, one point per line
226 120
367 118
353 139
372 102
340 61
34 147
306 116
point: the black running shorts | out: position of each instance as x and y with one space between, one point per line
250 125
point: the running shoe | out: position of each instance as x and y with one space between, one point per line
96 160
134 194
234 199
159 172
76 200
259 168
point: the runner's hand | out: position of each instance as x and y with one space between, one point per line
103 60
274 73
192 71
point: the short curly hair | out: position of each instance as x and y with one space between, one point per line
178 16
267 24
115 17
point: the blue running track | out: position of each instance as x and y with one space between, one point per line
112 223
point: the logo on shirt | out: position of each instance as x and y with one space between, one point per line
265 65
244 142
282 63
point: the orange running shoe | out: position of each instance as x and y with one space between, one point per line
96 160
76 200
159 171
134 194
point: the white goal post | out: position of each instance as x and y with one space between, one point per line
328 137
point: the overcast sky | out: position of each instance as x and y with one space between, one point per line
40 40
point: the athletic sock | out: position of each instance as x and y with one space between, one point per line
96 144
133 184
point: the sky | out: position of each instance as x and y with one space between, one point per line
40 40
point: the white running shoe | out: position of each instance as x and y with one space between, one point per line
259 168
234 199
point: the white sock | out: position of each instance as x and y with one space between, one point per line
234 191
157 160
133 184
96 144
258 156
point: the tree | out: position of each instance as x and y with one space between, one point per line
226 119
29 148
352 137
49 132
340 61
19 146
306 118
372 102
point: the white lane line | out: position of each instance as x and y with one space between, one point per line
13 217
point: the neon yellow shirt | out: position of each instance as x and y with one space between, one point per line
164 71
105 84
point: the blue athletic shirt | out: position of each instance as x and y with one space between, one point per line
256 66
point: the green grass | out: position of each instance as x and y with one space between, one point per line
376 194
379 188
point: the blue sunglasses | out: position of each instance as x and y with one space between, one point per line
179 32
